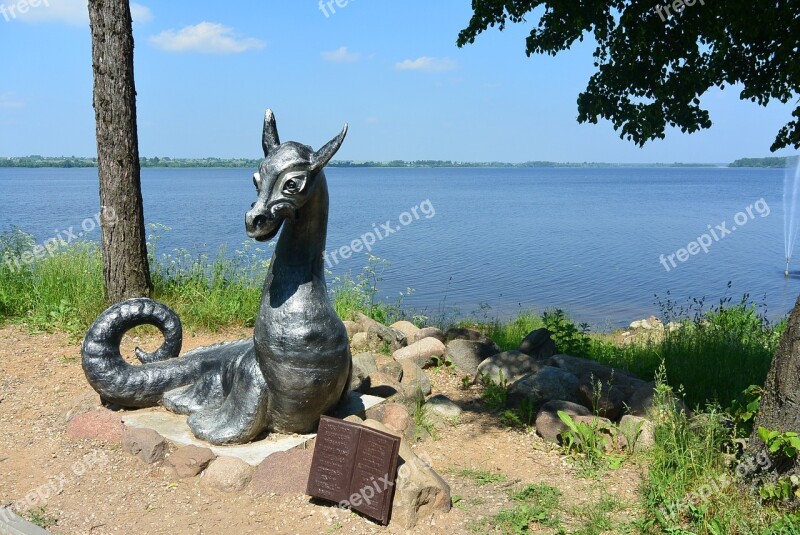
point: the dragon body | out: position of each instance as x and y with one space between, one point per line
296 366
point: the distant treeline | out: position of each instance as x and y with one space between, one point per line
772 162
450 163
73 161
41 161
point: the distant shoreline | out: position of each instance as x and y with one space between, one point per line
33 162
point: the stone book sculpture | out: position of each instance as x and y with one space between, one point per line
296 366
355 467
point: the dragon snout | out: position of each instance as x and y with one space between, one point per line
255 222
263 222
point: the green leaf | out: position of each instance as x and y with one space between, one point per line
567 419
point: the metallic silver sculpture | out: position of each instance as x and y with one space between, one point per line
297 365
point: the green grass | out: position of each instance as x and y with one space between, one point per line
732 344
422 420
40 517
507 334
690 486
65 291
534 504
478 476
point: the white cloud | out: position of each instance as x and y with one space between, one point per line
140 13
373 120
8 102
427 64
70 11
341 55
206 37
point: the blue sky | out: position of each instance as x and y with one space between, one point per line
205 72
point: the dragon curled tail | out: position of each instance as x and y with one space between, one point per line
128 385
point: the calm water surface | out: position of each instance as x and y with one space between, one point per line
586 240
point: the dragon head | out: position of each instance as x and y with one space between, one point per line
285 180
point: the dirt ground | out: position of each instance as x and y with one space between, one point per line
109 491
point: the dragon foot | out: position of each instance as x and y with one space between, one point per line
208 389
237 412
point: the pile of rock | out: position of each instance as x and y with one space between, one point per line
654 324
535 376
547 383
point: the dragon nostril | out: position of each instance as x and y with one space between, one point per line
253 205
259 221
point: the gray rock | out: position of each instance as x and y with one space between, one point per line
381 385
642 402
466 355
538 344
390 368
396 417
189 461
145 444
352 328
378 335
363 365
420 493
229 474
640 430
607 401
415 381
544 385
407 328
463 333
429 332
365 322
443 406
549 426
422 352
359 342
507 366
587 370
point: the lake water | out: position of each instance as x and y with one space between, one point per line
585 240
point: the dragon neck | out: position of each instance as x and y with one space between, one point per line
301 245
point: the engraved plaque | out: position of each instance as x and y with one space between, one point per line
354 466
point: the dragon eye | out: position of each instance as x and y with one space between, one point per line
294 183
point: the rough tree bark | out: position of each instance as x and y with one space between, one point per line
780 403
125 266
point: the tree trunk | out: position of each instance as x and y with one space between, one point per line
780 403
125 266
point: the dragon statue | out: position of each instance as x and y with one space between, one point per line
296 366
